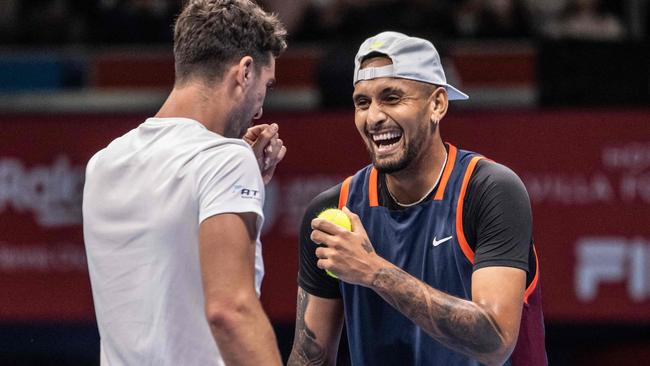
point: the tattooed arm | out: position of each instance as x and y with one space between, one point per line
318 329
485 328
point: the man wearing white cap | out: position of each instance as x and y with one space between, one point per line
440 267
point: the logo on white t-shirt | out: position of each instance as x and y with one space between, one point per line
247 193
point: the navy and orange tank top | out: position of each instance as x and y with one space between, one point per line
428 242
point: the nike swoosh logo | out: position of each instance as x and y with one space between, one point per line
438 242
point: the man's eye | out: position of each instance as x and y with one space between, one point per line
362 103
392 99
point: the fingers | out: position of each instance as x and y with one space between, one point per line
272 152
327 227
324 255
324 264
263 138
324 252
282 153
255 131
320 237
267 146
357 226
252 133
273 155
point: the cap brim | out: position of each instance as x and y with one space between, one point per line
455 94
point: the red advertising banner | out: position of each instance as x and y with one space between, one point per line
587 173
588 176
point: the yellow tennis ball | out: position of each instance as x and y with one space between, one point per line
339 218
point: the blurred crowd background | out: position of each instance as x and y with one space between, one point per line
93 22
76 35
560 92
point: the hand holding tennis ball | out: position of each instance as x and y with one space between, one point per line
348 253
339 218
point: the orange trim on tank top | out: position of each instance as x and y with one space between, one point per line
451 160
343 194
462 241
373 199
533 284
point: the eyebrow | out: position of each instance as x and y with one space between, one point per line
391 90
386 91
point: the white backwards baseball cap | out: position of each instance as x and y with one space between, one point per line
413 58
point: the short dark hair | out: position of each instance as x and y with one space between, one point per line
210 34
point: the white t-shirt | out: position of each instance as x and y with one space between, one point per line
144 198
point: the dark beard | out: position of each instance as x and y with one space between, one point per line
238 122
396 166
413 149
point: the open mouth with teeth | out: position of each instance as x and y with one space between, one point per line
386 141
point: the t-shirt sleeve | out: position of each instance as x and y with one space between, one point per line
497 218
311 278
229 181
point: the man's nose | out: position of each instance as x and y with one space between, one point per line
375 114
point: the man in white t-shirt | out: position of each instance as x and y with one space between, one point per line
173 209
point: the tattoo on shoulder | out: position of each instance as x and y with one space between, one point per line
306 350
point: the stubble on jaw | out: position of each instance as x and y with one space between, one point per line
409 153
238 120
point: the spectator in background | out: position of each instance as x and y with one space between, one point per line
586 20
8 19
544 12
136 21
339 25
57 22
291 13
45 22
350 20
492 19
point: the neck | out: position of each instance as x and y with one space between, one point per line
198 102
411 184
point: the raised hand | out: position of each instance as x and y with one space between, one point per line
268 148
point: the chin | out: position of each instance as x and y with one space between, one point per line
388 166
395 162
391 167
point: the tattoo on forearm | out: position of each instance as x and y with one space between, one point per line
306 351
459 324
367 246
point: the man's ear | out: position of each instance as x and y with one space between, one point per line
245 71
439 104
